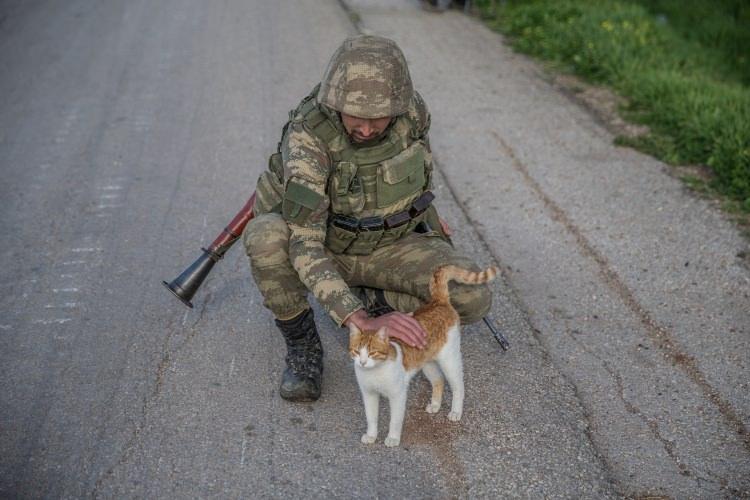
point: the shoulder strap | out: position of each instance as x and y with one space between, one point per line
321 125
309 113
306 112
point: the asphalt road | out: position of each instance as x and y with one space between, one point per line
130 132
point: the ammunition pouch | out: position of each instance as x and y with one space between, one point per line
401 176
347 234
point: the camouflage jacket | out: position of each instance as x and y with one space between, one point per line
308 167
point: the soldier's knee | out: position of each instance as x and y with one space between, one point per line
472 302
266 239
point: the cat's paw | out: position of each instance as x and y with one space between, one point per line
454 416
392 441
367 439
432 408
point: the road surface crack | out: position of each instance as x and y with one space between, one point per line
167 356
661 337
652 424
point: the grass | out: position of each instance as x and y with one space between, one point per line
684 67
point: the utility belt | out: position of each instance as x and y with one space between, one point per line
347 234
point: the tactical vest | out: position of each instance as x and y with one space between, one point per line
381 180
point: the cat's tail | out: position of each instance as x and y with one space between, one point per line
444 274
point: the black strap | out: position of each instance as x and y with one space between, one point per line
352 224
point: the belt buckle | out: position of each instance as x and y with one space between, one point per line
371 224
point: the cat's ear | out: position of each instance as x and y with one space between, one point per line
353 330
382 333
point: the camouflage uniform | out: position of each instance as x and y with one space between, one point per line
319 176
403 270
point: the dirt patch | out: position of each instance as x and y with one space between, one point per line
602 102
438 434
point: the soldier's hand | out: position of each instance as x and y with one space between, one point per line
403 327
398 325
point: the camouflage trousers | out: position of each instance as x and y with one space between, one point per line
402 270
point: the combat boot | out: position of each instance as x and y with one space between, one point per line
304 359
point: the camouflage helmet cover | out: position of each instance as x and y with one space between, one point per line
367 77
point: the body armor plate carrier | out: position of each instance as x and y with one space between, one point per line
367 186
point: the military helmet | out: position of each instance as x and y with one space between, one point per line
367 77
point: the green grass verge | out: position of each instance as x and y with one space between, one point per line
683 65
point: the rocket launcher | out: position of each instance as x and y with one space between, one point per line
187 283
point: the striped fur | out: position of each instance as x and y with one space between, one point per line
443 275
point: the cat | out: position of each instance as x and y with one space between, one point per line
384 366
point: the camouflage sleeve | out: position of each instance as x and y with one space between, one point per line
305 209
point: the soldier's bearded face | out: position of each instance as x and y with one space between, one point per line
364 129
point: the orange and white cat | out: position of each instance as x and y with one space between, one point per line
385 366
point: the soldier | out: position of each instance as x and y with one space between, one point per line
344 211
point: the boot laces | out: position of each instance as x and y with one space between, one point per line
305 356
